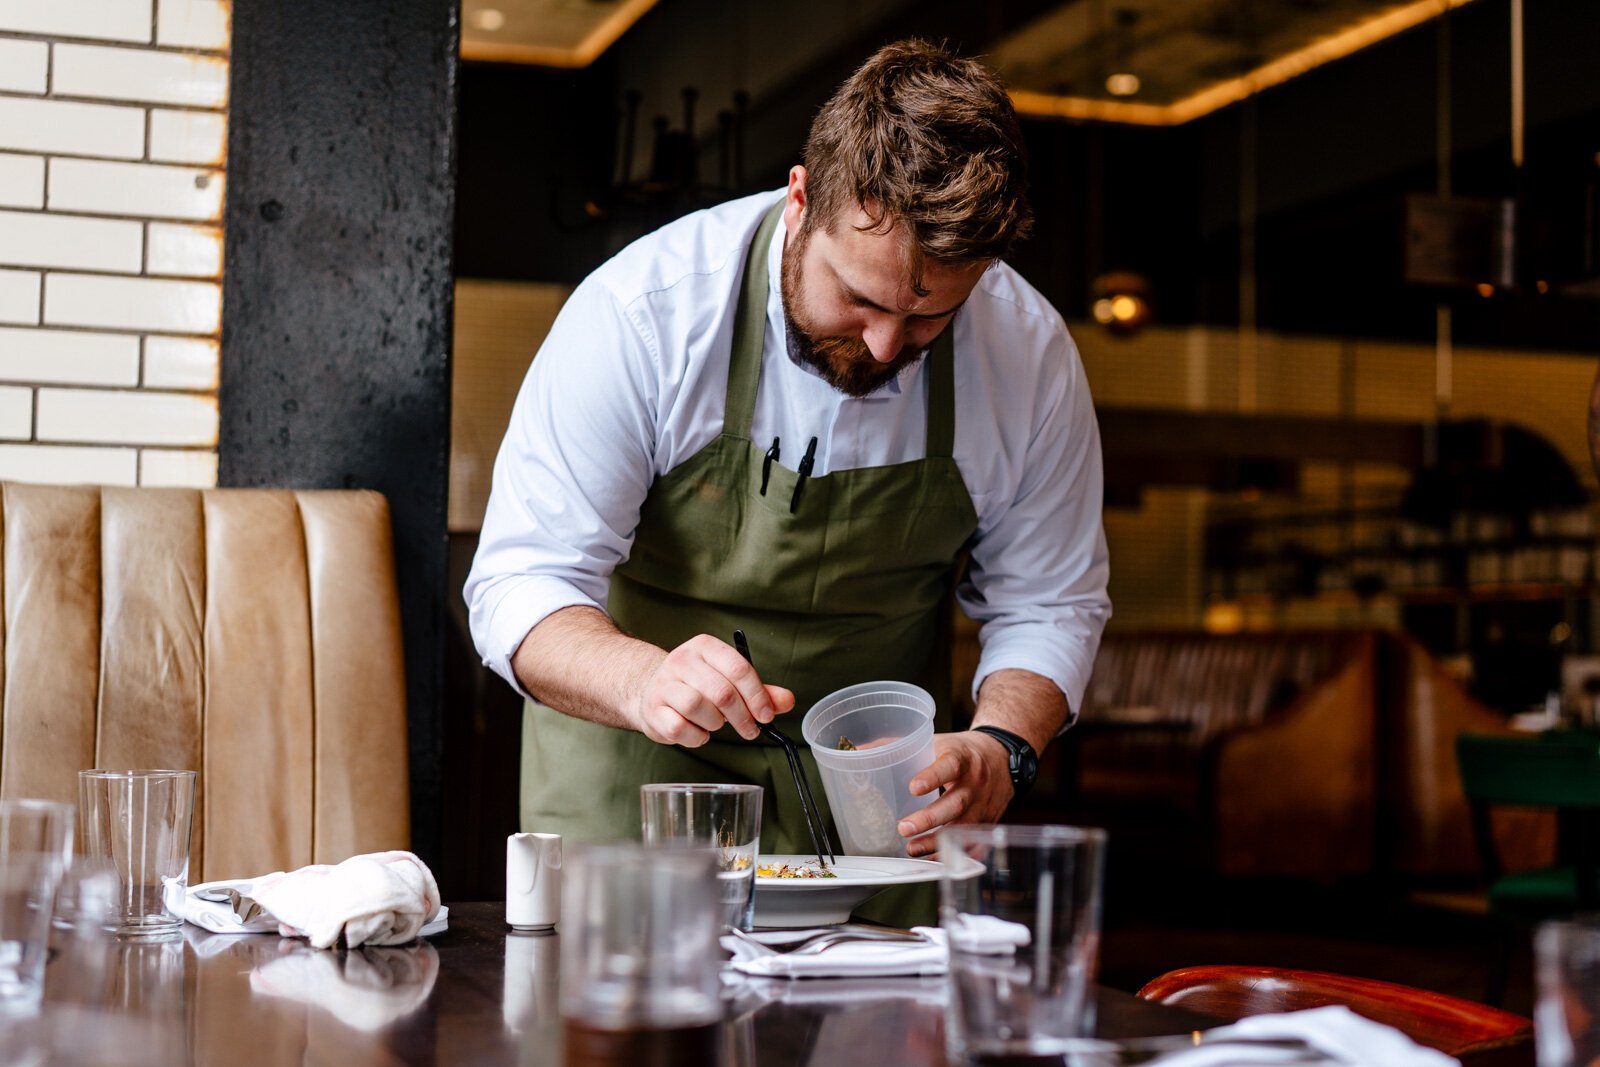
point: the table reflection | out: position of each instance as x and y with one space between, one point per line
477 994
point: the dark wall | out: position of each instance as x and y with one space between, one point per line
338 289
1336 152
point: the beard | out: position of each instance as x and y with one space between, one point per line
846 363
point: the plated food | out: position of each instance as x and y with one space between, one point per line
800 900
808 869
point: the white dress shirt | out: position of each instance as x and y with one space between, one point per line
631 382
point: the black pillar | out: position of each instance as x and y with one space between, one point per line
337 290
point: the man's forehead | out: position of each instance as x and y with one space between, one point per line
875 264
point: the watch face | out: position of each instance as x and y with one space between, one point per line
1028 769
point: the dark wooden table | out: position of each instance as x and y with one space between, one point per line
476 994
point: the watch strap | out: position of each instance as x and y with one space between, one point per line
1016 748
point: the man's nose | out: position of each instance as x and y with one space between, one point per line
884 340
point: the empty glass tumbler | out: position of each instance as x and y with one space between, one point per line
35 846
138 822
1020 906
723 818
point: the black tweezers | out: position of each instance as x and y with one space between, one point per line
814 823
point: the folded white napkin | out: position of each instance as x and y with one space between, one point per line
1335 1032
987 935
381 898
856 959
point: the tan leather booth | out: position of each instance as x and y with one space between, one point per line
252 635
1319 754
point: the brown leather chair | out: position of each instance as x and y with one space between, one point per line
252 635
1449 1024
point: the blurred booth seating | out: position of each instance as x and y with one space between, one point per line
1314 754
250 634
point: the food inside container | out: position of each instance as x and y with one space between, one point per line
888 727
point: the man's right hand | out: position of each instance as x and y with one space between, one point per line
702 684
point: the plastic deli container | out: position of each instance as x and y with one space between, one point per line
869 788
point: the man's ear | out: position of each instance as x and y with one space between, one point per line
794 207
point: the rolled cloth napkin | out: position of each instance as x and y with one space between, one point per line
381 898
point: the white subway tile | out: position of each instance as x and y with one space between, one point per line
16 412
188 136
103 20
36 239
187 469
67 357
181 363
192 24
133 303
19 296
21 181
188 251
135 74
55 465
126 418
146 189
72 129
24 66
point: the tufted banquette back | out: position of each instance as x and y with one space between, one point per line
252 635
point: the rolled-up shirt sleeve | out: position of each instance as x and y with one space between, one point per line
570 477
1038 573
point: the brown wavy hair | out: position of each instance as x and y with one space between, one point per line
924 139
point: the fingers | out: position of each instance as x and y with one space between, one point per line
702 684
947 768
975 790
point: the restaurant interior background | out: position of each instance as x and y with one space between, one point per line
1331 266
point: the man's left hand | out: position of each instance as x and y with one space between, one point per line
974 770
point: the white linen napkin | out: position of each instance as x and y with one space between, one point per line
985 935
855 959
1335 1032
380 898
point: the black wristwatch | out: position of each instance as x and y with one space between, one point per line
1024 761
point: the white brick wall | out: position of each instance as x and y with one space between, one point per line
113 138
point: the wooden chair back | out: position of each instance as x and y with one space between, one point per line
1449 1024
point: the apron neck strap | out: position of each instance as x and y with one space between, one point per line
750 328
750 333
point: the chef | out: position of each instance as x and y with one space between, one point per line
793 414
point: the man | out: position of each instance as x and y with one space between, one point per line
791 415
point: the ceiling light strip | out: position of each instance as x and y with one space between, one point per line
585 52
1323 50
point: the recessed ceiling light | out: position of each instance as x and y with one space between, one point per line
489 18
1122 84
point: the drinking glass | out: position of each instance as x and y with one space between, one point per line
724 818
639 954
1566 1014
138 822
35 845
1020 906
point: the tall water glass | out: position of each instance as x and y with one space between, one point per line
1566 1014
138 822
724 818
639 953
35 846
1020 906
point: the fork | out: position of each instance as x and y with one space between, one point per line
818 942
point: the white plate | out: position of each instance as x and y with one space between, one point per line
829 901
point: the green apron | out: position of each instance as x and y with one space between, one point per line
844 588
